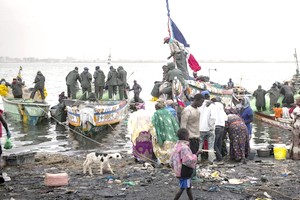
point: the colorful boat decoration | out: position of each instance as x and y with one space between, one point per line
26 111
91 117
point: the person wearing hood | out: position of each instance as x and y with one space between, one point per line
16 87
86 79
287 92
274 94
112 82
170 77
122 82
99 82
259 95
247 114
39 85
71 80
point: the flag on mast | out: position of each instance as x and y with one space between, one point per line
175 33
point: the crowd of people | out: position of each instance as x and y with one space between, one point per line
204 125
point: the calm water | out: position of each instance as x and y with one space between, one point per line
45 138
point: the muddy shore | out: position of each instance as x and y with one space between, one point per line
259 178
256 179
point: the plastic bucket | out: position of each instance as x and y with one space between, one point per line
280 151
252 154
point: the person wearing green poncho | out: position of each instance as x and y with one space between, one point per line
163 133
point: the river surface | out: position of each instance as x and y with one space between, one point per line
45 137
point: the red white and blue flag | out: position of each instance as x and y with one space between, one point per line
175 33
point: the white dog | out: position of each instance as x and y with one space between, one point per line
101 159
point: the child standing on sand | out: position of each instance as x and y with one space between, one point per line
183 162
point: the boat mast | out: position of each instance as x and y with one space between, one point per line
109 58
297 70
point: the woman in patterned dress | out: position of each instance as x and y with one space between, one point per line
139 125
163 133
239 138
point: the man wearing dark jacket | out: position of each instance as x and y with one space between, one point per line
112 82
86 79
99 82
39 85
71 80
122 81
16 87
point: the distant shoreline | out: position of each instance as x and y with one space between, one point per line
139 61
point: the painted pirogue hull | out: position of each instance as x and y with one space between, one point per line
280 123
25 111
93 117
214 89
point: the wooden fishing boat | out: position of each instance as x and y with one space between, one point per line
26 110
215 90
270 119
92 117
268 116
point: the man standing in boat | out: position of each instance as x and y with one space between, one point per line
39 85
112 83
99 82
71 80
122 81
274 94
136 90
86 79
179 54
259 95
16 87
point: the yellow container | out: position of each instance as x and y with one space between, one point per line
280 151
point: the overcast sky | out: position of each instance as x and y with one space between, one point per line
134 29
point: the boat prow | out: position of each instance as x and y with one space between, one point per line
271 120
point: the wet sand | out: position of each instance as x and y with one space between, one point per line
258 178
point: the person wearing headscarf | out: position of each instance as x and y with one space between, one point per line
170 107
247 114
39 85
164 132
259 95
139 126
238 137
